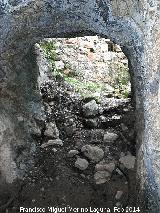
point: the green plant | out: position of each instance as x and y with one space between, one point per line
122 80
49 50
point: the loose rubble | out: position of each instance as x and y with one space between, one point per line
128 161
118 195
110 137
51 130
72 153
81 164
90 109
52 143
103 166
101 177
87 147
93 153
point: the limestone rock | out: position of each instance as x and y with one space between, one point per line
119 204
102 119
101 177
90 109
36 127
109 88
51 130
118 195
72 153
119 171
36 131
59 65
128 161
54 150
110 137
52 142
94 153
81 164
103 166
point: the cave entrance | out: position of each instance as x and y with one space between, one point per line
87 150
94 66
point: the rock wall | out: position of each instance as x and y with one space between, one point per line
132 24
90 57
89 62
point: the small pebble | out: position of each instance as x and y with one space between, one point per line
54 150
72 153
118 195
118 204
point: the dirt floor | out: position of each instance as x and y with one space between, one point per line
55 181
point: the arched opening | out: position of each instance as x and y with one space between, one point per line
86 150
21 111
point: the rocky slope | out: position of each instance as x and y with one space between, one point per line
86 153
93 65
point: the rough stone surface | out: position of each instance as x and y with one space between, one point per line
72 153
135 25
118 195
101 177
92 58
81 163
103 166
110 137
51 131
58 142
90 109
128 161
94 153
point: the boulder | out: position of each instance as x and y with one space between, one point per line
128 161
101 177
103 166
110 137
90 109
81 164
93 153
51 130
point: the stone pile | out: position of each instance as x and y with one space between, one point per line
91 146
